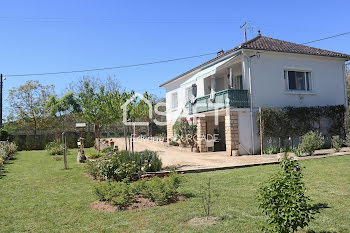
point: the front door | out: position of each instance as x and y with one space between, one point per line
221 145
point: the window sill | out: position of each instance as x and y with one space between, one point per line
299 93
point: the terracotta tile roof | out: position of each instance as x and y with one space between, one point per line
270 44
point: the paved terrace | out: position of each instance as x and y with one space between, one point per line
190 161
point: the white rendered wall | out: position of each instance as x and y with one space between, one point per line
245 133
269 87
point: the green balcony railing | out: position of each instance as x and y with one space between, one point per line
223 99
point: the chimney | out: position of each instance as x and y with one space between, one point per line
220 53
259 32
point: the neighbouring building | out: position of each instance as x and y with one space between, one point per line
262 72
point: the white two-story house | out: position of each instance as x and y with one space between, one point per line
224 94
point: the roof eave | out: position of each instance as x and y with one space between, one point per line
233 52
307 54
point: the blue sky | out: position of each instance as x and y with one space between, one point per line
46 36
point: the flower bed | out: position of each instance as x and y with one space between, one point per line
126 195
123 165
122 188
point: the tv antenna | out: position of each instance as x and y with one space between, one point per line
245 26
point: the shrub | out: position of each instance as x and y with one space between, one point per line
108 150
12 147
336 143
162 190
92 169
347 140
19 143
284 201
6 151
311 141
115 192
54 148
150 161
173 143
272 150
95 155
122 193
296 150
71 141
4 135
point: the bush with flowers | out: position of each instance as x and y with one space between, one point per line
7 150
124 165
186 130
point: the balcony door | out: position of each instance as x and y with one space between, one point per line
238 82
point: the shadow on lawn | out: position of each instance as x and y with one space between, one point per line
2 172
188 194
317 207
312 231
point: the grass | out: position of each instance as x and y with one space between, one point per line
37 195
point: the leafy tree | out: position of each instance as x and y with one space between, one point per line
98 107
284 201
62 107
347 73
27 105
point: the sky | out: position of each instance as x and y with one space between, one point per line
49 36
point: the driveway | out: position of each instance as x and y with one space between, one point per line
189 160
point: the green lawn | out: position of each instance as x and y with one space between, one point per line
37 195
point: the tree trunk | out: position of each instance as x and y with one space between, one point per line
35 127
126 141
97 136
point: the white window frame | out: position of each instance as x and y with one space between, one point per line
174 104
286 77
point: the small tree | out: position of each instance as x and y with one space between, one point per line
284 201
206 195
336 143
311 141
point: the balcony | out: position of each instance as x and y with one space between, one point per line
223 99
